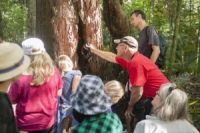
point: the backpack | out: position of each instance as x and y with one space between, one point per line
163 47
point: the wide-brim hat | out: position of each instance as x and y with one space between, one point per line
12 61
129 40
90 98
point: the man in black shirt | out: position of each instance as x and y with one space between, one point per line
13 63
149 44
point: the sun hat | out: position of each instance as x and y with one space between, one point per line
90 98
13 61
33 46
129 40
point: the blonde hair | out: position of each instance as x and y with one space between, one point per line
64 63
114 89
41 68
174 103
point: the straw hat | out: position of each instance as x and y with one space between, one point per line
12 61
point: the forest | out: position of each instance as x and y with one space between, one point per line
66 26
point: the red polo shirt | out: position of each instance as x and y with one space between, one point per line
143 72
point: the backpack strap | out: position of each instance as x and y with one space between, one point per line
146 31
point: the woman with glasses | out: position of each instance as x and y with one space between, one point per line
169 113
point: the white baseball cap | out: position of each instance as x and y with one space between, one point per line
33 46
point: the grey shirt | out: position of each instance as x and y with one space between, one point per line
148 37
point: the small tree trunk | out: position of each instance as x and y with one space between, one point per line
173 47
1 26
31 5
43 24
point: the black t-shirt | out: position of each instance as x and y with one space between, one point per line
7 119
148 37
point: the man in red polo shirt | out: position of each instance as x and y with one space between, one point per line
144 76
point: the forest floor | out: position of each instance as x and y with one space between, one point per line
191 84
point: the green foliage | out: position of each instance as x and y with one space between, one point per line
161 14
13 20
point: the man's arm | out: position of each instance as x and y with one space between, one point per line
155 53
136 94
109 56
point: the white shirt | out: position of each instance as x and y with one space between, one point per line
154 125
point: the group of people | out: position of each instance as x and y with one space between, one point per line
63 100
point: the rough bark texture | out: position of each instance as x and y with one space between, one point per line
115 18
90 30
65 27
65 24
43 25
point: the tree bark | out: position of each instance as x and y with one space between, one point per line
65 27
115 18
31 21
90 32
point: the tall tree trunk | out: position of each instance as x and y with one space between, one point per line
90 31
31 5
175 33
65 27
198 51
115 18
1 26
43 24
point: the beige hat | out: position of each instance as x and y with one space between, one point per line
12 61
129 40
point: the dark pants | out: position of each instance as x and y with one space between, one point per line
140 110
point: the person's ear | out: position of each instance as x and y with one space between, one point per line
139 16
126 48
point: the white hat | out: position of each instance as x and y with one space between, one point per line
129 40
33 46
13 61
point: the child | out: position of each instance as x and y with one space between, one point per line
13 63
71 80
115 90
35 93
